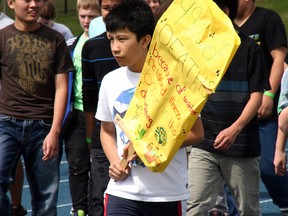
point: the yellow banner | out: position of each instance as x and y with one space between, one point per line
192 46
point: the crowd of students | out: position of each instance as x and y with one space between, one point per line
56 91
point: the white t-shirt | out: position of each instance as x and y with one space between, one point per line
96 27
283 98
116 91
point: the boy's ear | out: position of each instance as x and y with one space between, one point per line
10 4
226 10
146 41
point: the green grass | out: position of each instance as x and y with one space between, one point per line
68 17
71 20
280 6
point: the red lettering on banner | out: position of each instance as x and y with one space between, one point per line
189 106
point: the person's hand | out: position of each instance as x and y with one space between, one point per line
226 138
117 173
50 146
266 107
280 162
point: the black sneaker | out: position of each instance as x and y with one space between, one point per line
18 211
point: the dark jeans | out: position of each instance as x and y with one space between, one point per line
277 186
78 157
26 137
100 179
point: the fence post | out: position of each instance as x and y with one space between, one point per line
65 6
4 6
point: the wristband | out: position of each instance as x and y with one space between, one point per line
88 140
269 94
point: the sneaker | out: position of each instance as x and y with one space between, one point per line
216 212
18 211
79 213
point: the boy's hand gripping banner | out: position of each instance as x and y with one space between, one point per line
192 46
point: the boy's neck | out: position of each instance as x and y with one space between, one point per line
21 26
240 20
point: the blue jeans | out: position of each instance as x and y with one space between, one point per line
26 137
277 186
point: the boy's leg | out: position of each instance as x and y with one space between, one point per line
231 203
221 205
100 178
43 176
9 151
225 204
78 157
242 177
16 191
277 186
4 200
205 182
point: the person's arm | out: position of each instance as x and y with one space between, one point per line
50 144
283 104
283 120
108 141
276 74
196 134
89 123
280 154
89 90
226 137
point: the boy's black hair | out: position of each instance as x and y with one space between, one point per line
232 5
136 15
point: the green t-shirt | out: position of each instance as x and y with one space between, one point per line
77 84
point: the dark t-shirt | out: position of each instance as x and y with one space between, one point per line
267 29
29 62
246 74
97 61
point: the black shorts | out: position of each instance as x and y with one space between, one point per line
118 206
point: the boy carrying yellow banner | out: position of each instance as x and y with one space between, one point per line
192 46
135 190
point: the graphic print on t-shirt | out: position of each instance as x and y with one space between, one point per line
31 56
120 107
